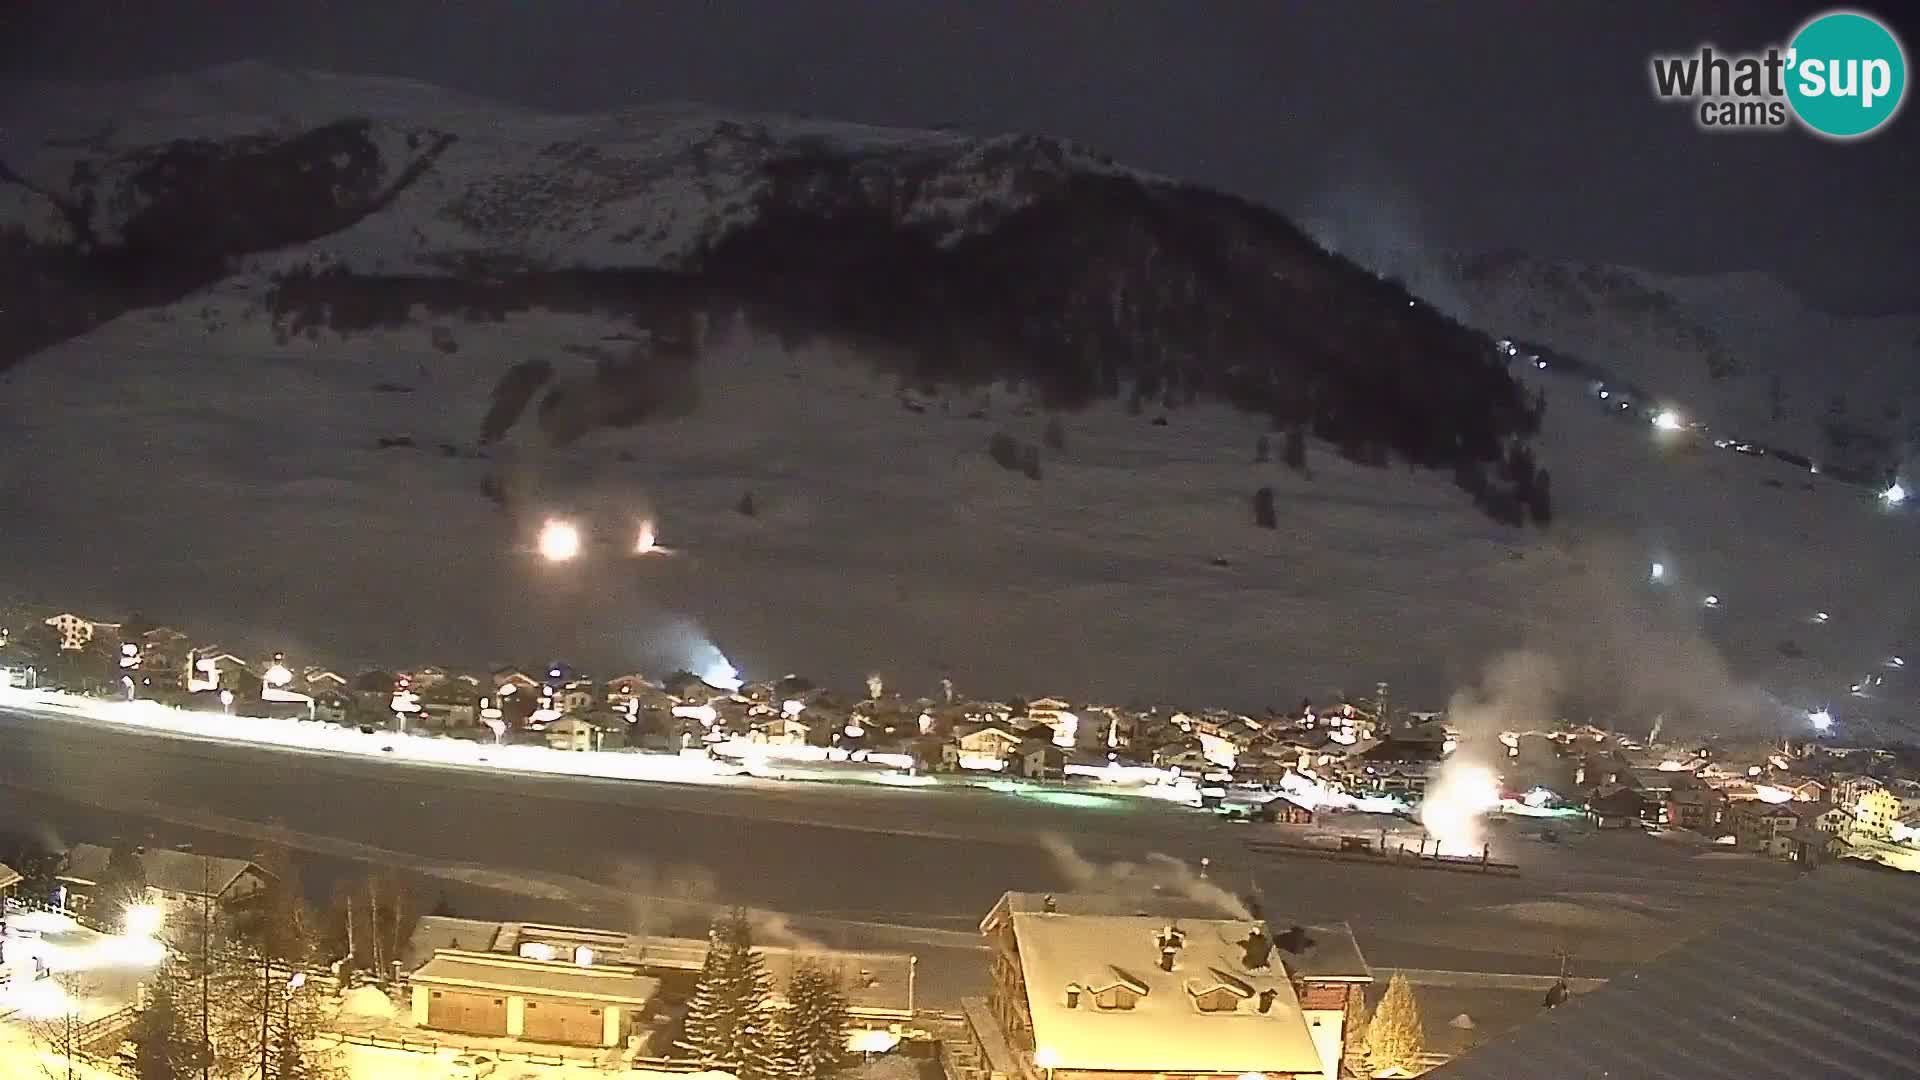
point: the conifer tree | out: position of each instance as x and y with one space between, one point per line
814 1032
1394 1036
733 986
762 1051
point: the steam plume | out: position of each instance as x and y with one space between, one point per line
1160 875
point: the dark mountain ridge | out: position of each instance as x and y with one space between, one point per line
956 261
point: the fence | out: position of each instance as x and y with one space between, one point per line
558 1057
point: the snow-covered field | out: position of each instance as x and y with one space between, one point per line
232 483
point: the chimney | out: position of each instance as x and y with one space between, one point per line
1049 905
1171 941
1073 997
1257 950
1266 1000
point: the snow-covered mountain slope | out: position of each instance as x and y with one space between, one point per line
1741 352
197 430
946 256
237 483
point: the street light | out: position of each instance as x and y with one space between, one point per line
144 920
226 702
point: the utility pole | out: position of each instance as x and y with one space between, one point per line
266 1010
206 969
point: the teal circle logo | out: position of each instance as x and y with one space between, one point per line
1847 74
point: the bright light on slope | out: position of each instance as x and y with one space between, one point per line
1668 420
647 543
1895 494
1821 719
559 541
721 673
1658 572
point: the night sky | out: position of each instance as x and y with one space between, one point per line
1467 126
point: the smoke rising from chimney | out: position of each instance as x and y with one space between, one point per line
1158 876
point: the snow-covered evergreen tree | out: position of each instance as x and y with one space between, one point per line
762 1049
733 984
814 1032
1394 1036
711 1020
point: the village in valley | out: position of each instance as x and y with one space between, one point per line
1808 799
379 984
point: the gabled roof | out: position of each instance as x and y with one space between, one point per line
1163 1030
1619 801
182 872
9 876
1815 979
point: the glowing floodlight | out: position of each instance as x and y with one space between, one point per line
1711 601
647 543
559 541
1821 719
1895 494
1658 573
144 920
1668 420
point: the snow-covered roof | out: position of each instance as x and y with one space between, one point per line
436 932
1327 951
9 876
1164 1030
1813 980
875 983
615 983
182 872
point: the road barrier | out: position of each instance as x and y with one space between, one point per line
1394 857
